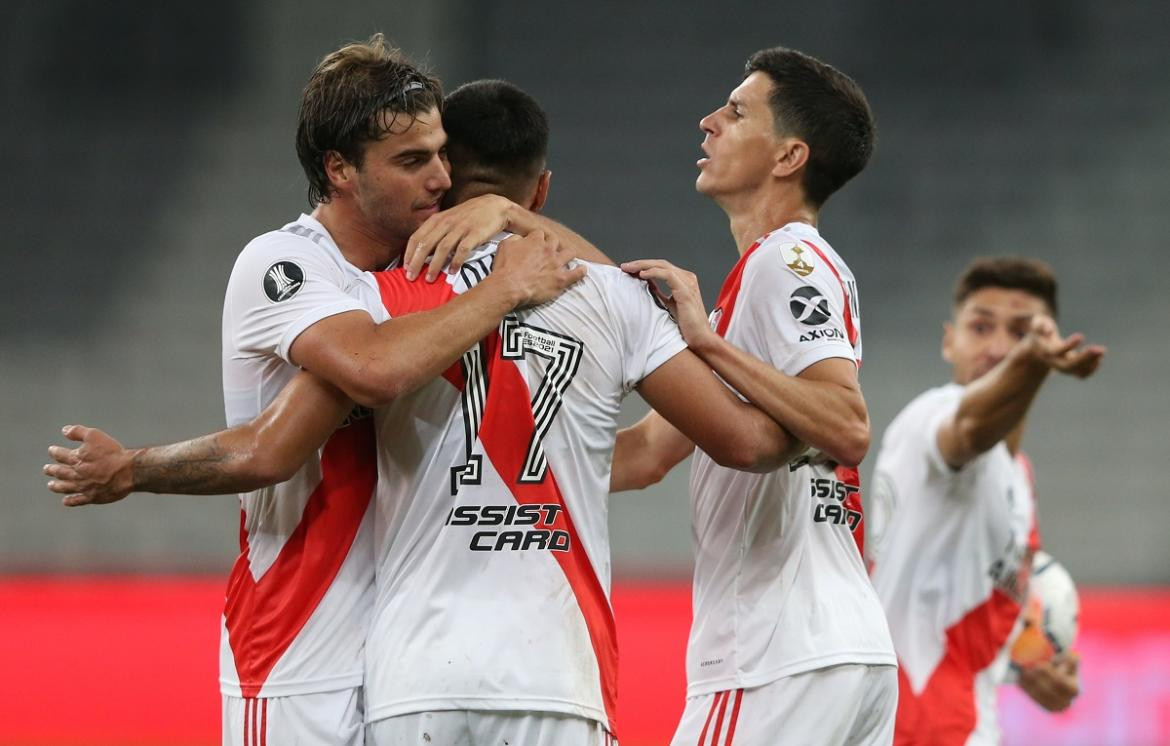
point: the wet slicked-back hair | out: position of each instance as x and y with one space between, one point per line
496 130
1011 273
824 108
357 95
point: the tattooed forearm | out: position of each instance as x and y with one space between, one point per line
210 465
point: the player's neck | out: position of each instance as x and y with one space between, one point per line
765 212
359 243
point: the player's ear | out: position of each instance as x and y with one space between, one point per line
791 156
540 196
340 171
948 341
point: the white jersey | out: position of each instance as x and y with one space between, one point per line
951 551
780 586
492 542
300 593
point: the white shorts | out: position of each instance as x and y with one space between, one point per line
850 704
487 728
320 719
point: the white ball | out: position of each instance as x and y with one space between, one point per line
1057 593
1051 613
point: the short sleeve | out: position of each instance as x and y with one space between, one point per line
649 335
281 285
798 319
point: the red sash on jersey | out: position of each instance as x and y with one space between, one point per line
728 294
508 427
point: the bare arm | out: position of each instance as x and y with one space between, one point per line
696 408
995 404
267 450
376 363
645 452
448 237
822 407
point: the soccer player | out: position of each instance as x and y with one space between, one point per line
298 603
953 549
789 643
492 615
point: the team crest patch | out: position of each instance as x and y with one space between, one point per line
795 259
283 280
809 306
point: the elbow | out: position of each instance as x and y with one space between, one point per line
852 445
376 390
267 469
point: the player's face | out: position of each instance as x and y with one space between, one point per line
741 141
403 177
986 326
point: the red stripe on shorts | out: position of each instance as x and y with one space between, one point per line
734 716
707 722
719 720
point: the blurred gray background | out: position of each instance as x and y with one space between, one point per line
143 145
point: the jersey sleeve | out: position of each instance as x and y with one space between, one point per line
799 319
649 335
281 285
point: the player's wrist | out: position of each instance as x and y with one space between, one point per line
510 291
130 476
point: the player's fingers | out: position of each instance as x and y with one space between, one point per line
638 265
76 432
64 455
76 499
63 487
442 252
59 471
575 275
419 244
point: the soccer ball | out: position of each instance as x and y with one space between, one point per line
1050 614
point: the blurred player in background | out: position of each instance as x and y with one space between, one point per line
298 602
954 523
492 617
789 643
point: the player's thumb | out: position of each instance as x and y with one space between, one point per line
75 432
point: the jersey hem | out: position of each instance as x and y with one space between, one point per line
741 681
230 688
428 704
811 356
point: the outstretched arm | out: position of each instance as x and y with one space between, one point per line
265 451
996 403
449 237
376 363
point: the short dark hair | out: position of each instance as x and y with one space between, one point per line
1011 273
355 96
494 128
825 108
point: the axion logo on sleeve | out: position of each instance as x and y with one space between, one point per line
809 306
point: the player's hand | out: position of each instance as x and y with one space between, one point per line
1052 684
685 302
97 472
1067 355
448 237
535 267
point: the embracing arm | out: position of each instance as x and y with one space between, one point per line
265 451
822 406
448 238
692 408
376 363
